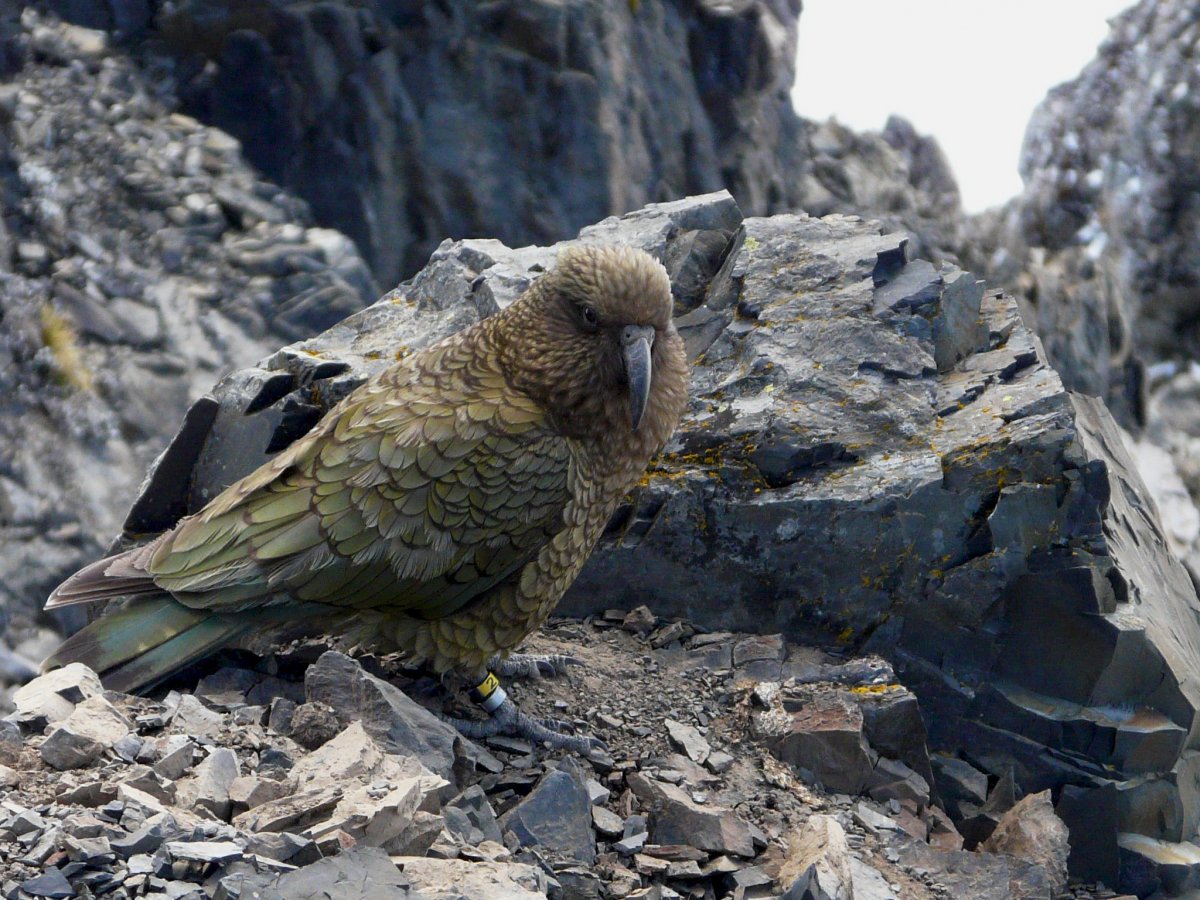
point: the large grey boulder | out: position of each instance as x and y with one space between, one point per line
876 450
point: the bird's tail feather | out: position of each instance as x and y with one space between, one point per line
135 647
106 579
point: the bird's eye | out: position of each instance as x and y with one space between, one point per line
590 319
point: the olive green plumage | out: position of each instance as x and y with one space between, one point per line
441 510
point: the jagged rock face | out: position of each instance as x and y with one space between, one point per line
561 113
874 450
140 258
1108 220
405 123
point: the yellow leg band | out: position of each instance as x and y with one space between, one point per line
488 693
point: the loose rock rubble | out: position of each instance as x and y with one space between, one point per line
716 783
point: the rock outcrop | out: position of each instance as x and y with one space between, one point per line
847 403
140 259
1101 240
405 123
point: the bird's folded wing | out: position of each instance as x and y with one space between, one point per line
419 499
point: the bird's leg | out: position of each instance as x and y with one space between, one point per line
532 665
507 719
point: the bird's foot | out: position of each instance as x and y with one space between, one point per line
534 665
507 719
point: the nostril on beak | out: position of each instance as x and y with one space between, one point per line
632 333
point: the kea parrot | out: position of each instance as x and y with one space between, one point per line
439 511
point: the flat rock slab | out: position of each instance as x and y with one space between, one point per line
556 816
352 875
456 879
676 819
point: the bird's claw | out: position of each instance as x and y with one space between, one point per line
531 665
507 719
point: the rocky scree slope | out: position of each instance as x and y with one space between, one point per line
140 258
404 123
847 403
323 780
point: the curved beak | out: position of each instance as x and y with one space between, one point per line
636 342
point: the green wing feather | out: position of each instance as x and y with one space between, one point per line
407 497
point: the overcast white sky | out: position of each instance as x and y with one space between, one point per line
969 73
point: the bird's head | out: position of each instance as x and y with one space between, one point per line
595 344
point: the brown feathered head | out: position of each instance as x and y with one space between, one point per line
594 342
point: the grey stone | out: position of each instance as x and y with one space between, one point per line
606 822
177 758
867 883
204 851
148 838
824 739
279 718
194 719
25 821
128 747
248 791
893 780
893 726
1092 818
351 875
1148 865
817 865
52 884
555 817
1032 831
676 819
597 793
687 739
958 782
10 741
208 789
312 724
146 779
719 762
67 749
456 879
986 876
477 814
399 724
53 696
283 846
95 851
634 834
873 821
